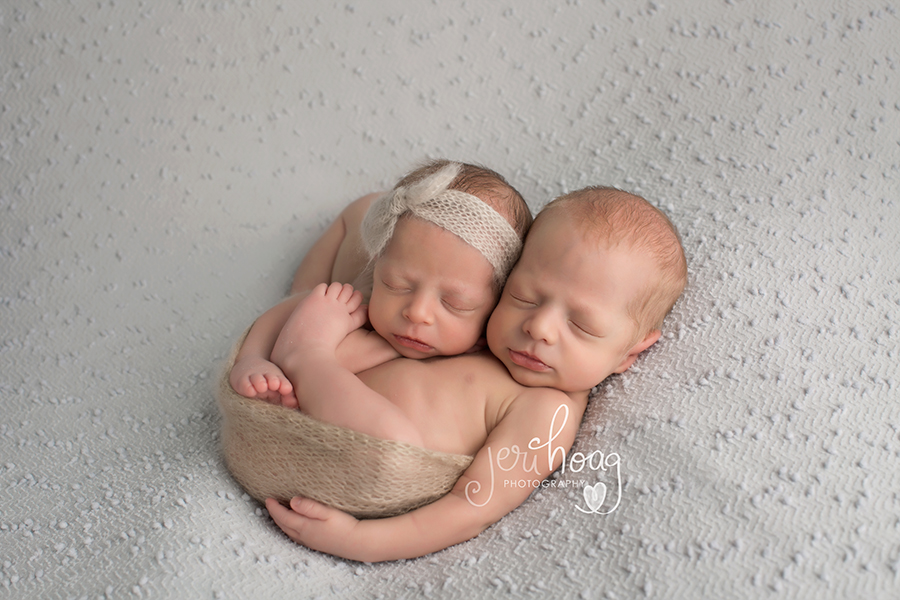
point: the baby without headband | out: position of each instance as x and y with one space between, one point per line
462 214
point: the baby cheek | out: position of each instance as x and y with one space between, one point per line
472 331
495 326
377 317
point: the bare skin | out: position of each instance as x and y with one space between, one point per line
320 322
306 348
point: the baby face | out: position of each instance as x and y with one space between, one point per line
432 293
562 320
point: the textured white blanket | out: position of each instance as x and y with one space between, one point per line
164 165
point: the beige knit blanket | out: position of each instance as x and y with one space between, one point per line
276 452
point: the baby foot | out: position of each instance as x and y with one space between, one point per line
320 322
254 377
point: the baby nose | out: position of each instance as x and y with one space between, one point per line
419 310
540 327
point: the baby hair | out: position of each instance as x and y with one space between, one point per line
612 217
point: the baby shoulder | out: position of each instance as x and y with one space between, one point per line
546 407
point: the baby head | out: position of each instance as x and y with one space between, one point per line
599 271
442 243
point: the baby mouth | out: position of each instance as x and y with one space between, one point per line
412 343
527 361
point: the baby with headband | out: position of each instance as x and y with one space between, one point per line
433 255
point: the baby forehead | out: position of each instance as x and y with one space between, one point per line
578 267
569 240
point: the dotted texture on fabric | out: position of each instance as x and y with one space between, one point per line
165 165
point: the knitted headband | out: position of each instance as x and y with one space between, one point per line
462 214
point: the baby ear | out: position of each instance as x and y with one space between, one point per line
650 339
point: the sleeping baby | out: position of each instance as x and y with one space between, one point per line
441 210
439 247
599 271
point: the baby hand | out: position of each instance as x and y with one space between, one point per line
319 323
254 377
315 525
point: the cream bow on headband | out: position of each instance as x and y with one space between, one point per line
462 214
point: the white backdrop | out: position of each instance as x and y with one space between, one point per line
164 166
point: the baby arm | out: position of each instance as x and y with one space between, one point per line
307 349
363 349
254 375
338 255
529 443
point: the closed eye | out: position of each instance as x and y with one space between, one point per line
584 330
393 288
522 300
457 308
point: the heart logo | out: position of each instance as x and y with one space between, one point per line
594 495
